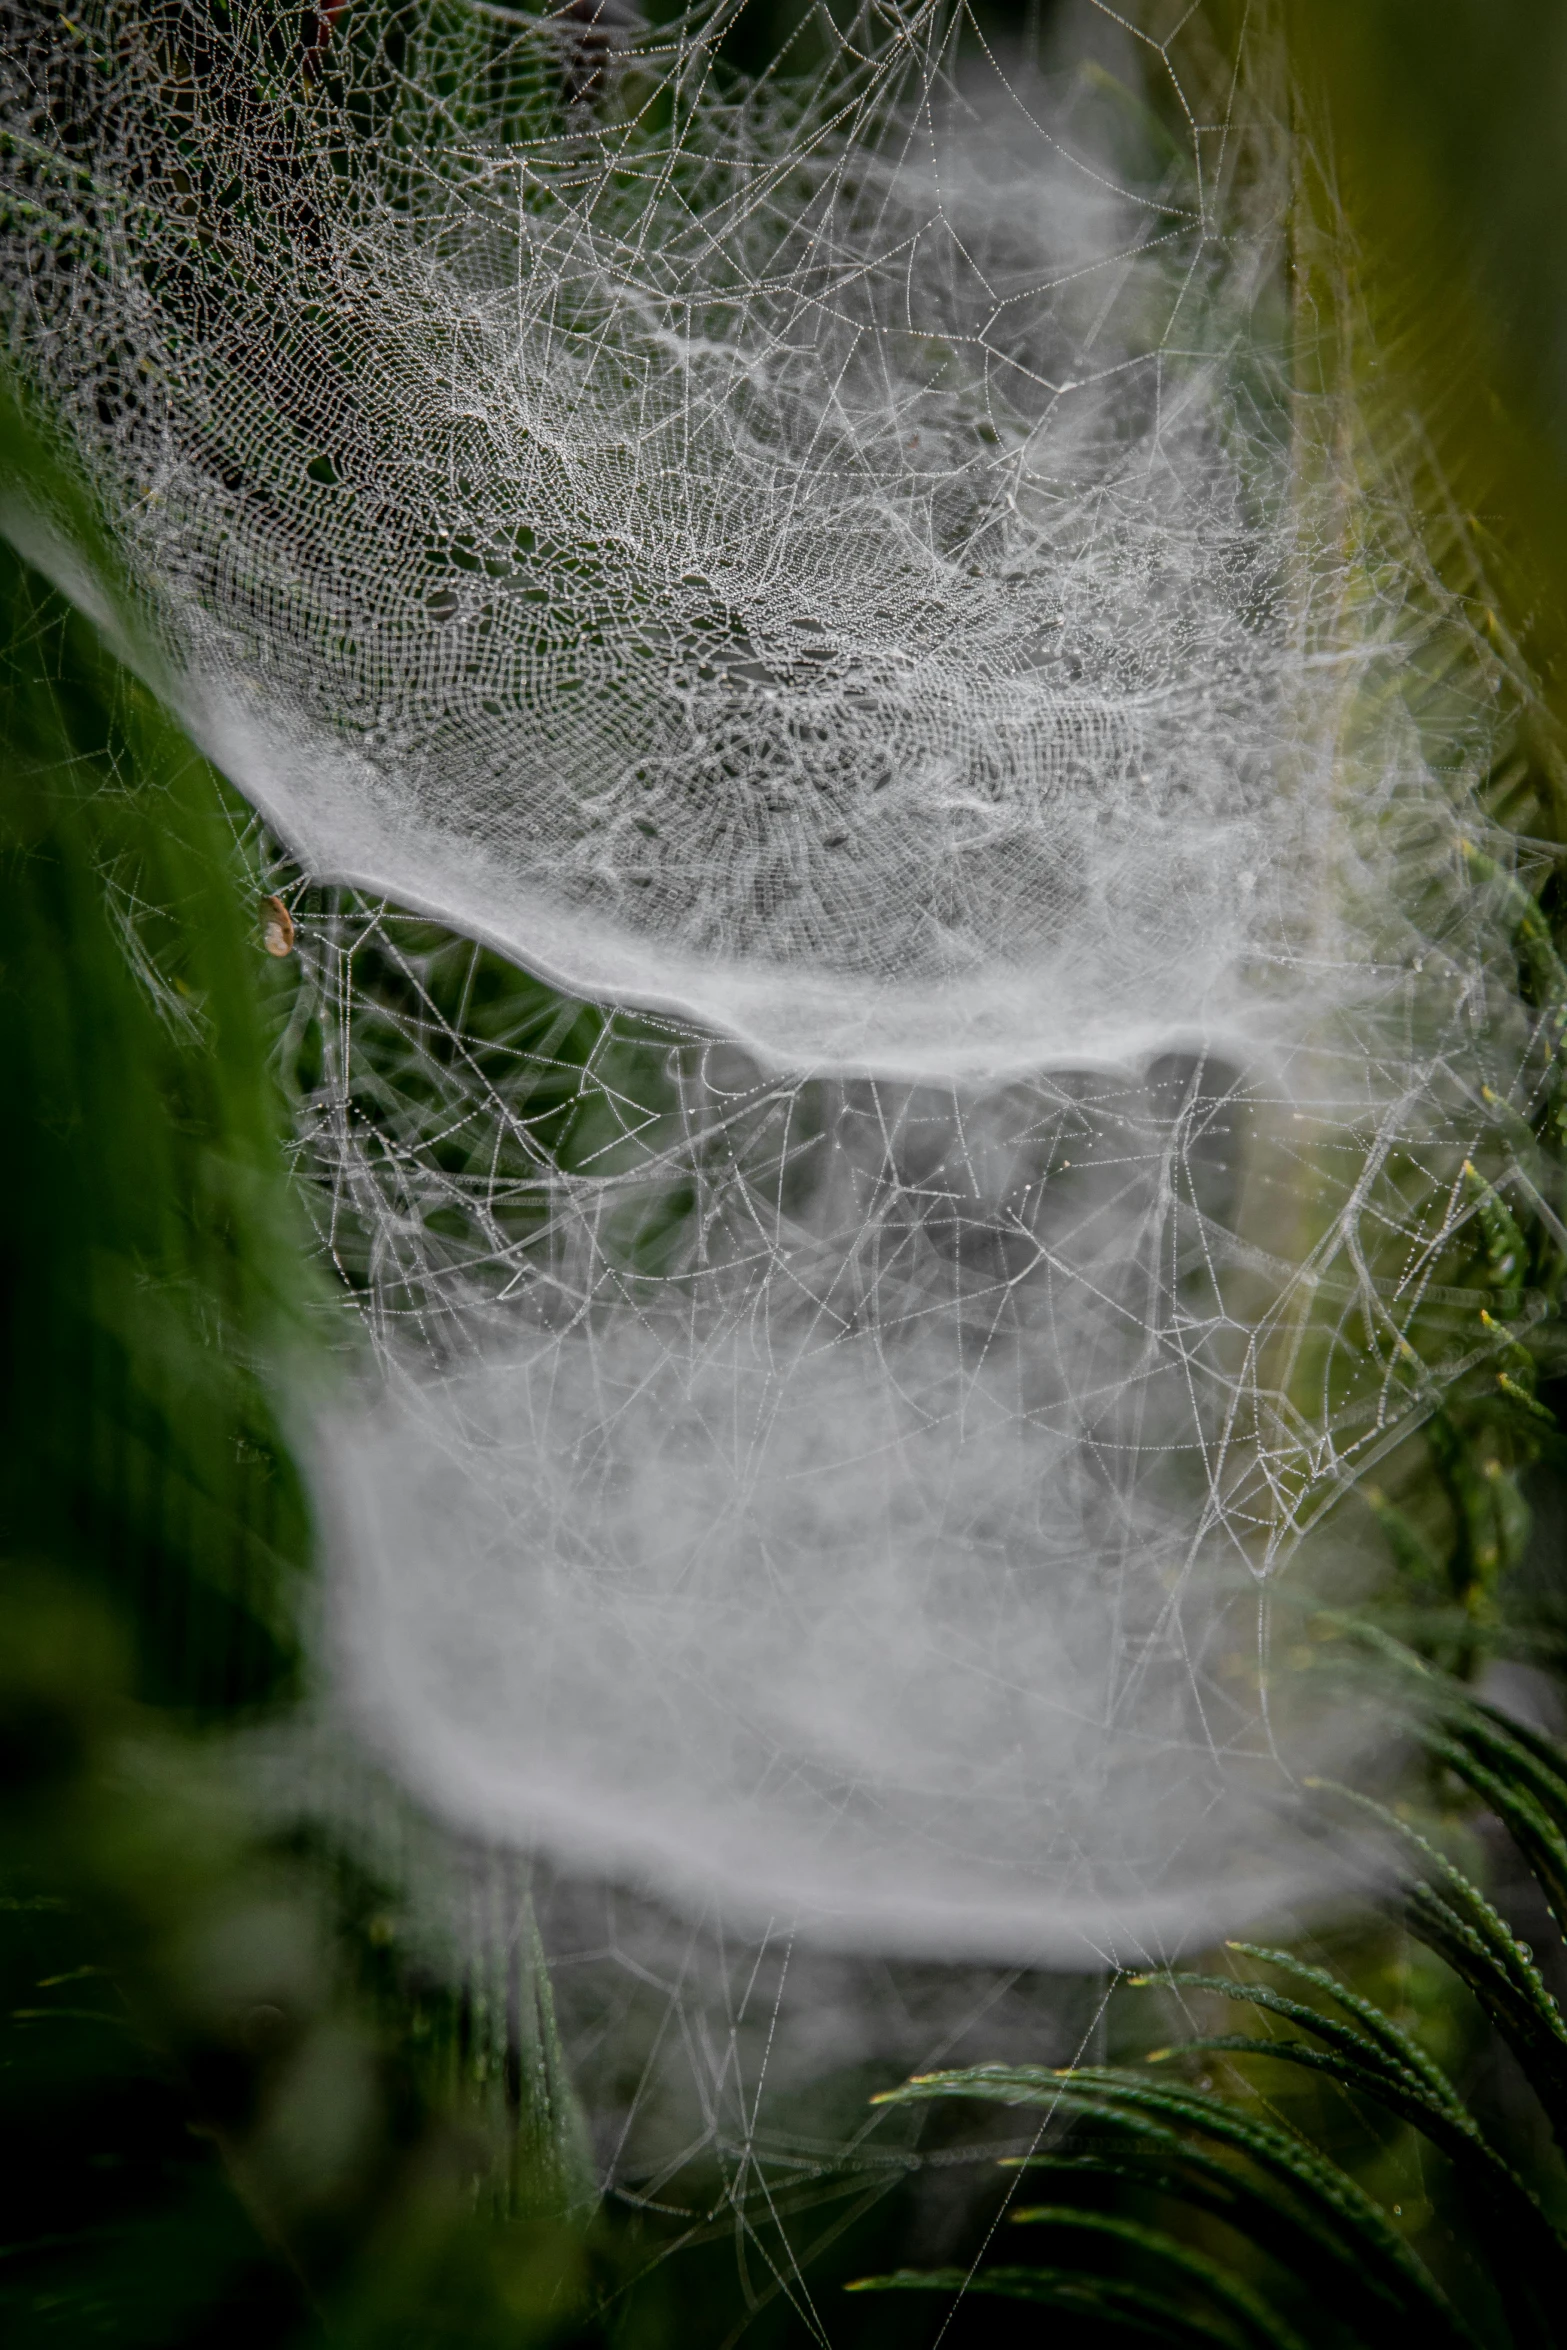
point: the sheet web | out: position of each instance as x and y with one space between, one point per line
806 554
840 568
888 1681
921 1458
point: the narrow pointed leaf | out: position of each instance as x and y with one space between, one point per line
1250 2314
1301 2199
1109 2301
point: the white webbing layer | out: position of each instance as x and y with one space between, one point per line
836 565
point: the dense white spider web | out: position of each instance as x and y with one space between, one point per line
810 555
645 1631
842 564
848 1498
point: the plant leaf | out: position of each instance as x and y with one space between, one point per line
1110 2301
1301 2208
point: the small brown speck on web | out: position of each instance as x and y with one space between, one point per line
277 927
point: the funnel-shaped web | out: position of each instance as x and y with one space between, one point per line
836 563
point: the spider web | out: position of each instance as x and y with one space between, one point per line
890 1053
804 554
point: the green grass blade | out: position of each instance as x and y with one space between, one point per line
1250 2314
1388 2056
1107 2301
1517 2229
1399 2045
1291 2199
1496 1780
1453 1916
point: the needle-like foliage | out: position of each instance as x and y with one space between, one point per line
1308 2254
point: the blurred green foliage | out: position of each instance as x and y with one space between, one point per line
235 2115
148 1263
1230 2223
1441 137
